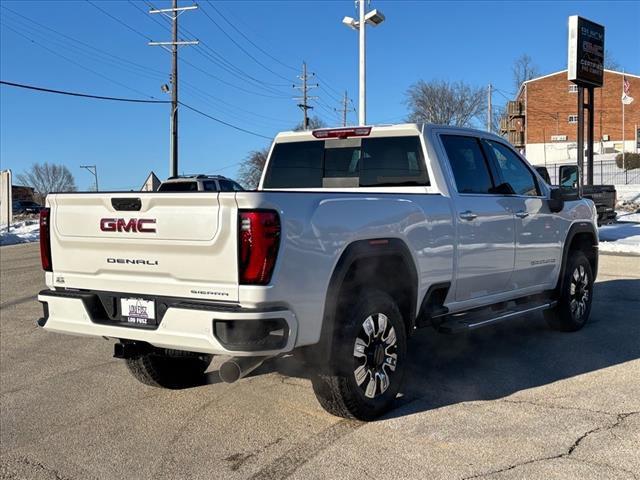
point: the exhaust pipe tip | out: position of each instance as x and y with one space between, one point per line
238 367
230 372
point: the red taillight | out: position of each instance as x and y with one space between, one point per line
45 240
258 242
342 132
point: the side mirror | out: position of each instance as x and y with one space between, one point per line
556 200
568 176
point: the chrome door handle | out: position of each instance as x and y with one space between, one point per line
522 214
468 215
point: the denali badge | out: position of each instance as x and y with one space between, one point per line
140 225
132 261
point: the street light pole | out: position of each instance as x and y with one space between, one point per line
362 96
375 18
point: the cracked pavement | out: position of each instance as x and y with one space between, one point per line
513 401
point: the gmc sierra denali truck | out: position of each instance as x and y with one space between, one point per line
354 238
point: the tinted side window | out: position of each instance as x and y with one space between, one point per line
210 186
295 165
513 170
179 187
469 166
392 161
225 186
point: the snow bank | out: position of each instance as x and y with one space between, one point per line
20 232
621 237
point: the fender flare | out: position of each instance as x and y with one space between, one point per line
358 250
575 229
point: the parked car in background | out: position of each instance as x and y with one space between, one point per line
200 183
25 206
603 196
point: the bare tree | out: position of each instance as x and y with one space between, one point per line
610 63
498 113
46 178
313 123
523 69
445 103
251 168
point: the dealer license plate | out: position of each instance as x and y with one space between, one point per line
137 311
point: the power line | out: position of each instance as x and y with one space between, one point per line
131 100
77 64
74 41
209 74
90 51
223 122
155 20
242 48
76 94
120 21
248 39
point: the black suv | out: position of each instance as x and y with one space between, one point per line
25 206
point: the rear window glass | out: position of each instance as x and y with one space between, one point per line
392 161
179 187
388 161
297 164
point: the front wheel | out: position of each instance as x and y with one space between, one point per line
367 368
159 369
574 303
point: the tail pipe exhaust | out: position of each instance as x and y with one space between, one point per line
238 367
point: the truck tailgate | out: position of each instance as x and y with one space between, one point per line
168 244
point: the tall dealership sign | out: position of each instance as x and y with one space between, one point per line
586 69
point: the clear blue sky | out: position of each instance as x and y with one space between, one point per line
471 41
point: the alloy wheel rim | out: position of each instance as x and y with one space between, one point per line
375 355
579 292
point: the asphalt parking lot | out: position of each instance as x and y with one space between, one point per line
516 400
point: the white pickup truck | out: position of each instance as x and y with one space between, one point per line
354 238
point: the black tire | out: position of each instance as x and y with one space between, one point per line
574 300
337 389
169 371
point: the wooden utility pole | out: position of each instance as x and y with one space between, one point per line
172 46
345 109
489 113
304 99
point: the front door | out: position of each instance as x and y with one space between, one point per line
538 236
485 223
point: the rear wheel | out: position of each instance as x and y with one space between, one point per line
574 303
368 361
178 370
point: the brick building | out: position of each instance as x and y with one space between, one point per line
542 121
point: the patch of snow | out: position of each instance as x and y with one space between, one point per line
627 216
20 232
621 237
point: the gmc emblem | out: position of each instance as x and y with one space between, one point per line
136 225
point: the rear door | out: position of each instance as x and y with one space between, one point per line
485 223
169 244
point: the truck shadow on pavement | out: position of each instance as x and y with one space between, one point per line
524 353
